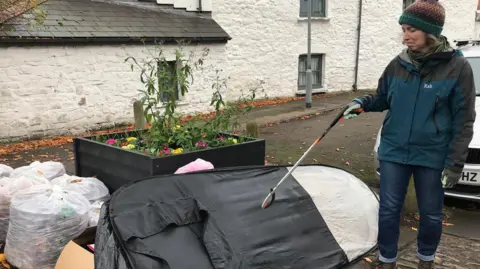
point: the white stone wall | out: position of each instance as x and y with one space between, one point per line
381 38
268 36
70 89
43 87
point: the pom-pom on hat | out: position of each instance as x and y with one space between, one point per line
426 15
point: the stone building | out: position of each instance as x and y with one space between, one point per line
69 75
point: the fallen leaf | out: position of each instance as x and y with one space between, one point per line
338 149
368 260
415 229
347 163
447 224
4 262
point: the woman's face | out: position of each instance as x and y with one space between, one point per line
414 39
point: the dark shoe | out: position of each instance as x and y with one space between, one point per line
382 265
426 265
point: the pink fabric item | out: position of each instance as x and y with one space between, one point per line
197 165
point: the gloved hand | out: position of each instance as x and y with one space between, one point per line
450 177
354 109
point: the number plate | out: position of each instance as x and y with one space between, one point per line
471 178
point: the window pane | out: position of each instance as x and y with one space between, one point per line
302 79
317 78
303 8
318 8
302 64
315 61
167 70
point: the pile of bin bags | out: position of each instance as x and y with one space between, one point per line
42 209
323 217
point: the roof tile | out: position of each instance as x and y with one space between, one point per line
94 19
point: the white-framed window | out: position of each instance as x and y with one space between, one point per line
319 8
406 3
317 71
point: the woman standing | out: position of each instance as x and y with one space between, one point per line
429 92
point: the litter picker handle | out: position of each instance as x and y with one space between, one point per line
339 116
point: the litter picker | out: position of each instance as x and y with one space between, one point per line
271 196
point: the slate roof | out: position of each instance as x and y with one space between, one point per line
111 21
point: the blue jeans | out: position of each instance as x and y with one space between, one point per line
394 179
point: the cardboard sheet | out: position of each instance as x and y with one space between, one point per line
74 256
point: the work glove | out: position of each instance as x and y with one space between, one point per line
354 109
450 177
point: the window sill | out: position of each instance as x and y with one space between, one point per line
305 19
317 90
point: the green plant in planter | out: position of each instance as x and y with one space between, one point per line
164 81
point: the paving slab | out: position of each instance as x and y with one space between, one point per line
407 237
453 252
284 112
465 223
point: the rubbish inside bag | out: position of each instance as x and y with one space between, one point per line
8 188
43 219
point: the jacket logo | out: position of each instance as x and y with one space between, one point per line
428 86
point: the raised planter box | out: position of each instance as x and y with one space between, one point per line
115 166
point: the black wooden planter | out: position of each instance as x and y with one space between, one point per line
115 166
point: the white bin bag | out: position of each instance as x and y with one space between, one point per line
90 187
8 187
49 170
43 219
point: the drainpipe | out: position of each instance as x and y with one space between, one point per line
359 29
200 5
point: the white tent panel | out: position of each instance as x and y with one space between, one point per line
348 206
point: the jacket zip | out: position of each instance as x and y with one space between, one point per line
435 112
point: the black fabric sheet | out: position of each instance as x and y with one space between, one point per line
214 220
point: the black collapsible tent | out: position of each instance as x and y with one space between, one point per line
323 217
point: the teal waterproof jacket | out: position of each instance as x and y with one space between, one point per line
431 110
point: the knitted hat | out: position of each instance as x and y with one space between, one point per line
426 15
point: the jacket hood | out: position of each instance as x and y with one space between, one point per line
404 56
